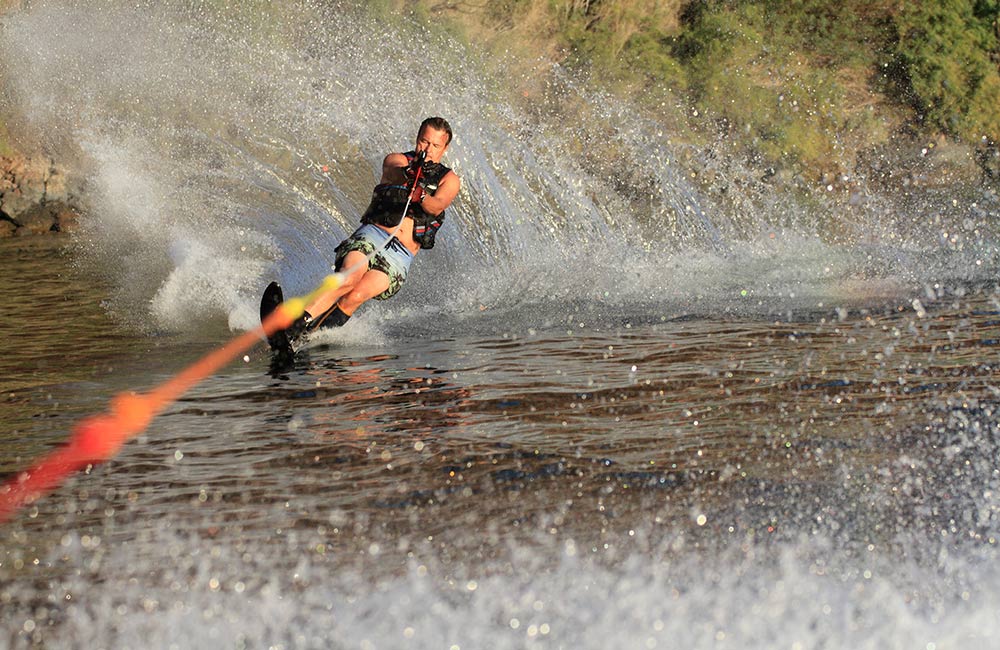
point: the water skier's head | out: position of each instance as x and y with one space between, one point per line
434 137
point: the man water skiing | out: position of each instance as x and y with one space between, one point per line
416 176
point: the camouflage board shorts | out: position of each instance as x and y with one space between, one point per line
394 260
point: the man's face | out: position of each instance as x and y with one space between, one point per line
433 141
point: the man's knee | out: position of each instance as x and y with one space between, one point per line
366 290
353 299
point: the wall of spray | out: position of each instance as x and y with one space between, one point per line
224 146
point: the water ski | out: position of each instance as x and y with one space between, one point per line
279 341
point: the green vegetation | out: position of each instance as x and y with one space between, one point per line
787 80
628 38
804 84
950 54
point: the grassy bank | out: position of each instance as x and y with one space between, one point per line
811 86
806 88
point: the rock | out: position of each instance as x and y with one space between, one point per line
45 218
7 227
34 197
67 218
908 163
25 183
948 163
35 221
988 157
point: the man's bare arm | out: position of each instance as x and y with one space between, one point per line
446 192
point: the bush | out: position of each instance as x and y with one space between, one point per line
744 68
629 39
950 53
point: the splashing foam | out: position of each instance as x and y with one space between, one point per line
230 148
571 600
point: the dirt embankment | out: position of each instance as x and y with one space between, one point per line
35 197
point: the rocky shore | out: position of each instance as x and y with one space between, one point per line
35 197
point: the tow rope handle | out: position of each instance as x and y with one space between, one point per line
419 159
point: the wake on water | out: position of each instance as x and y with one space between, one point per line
224 148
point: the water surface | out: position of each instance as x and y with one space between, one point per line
615 406
828 480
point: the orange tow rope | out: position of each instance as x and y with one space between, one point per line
99 437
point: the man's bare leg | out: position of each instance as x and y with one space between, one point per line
322 304
370 285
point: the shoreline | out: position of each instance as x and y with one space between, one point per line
840 150
36 197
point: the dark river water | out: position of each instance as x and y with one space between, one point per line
641 394
824 481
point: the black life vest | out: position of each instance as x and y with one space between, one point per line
388 201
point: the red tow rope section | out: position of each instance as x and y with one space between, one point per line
99 437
